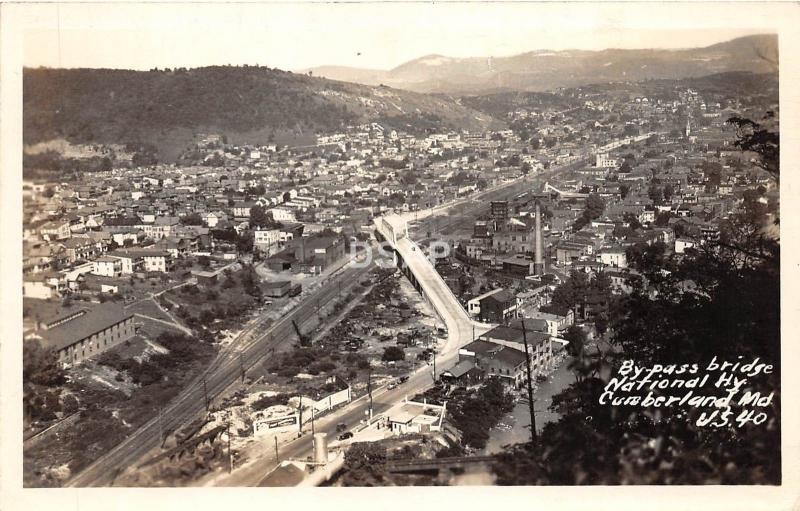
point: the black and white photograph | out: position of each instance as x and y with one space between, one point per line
359 245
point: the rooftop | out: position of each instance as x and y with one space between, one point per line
88 320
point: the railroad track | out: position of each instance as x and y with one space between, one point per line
223 371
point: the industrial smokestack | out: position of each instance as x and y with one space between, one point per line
538 262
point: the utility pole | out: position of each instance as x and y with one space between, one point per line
241 365
369 391
530 384
434 365
277 459
161 424
230 456
205 393
312 420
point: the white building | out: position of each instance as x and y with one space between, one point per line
604 162
107 266
283 215
681 244
613 257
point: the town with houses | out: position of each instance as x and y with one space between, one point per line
228 303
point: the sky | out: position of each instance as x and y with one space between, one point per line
295 36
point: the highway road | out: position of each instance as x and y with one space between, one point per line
253 344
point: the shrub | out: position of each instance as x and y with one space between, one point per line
393 354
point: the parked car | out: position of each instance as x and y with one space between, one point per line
341 427
403 379
392 385
346 435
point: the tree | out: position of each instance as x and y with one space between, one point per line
668 192
594 206
655 193
754 136
625 168
40 365
364 464
624 190
259 217
731 312
244 242
192 219
393 354
662 218
577 340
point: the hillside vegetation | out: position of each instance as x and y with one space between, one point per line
167 107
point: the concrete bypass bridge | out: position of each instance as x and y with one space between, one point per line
413 262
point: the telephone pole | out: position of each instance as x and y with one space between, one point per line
161 424
369 391
230 456
529 382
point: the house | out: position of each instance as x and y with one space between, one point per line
175 247
78 333
474 305
464 372
512 336
681 244
156 260
568 251
212 218
55 230
282 215
82 249
44 285
131 260
498 307
555 324
494 360
267 240
241 209
613 256
107 266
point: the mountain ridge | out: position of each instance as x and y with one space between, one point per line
540 70
166 108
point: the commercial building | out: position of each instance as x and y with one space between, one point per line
78 333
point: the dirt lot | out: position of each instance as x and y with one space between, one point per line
384 311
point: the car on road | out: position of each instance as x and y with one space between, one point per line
403 379
346 435
341 427
392 385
